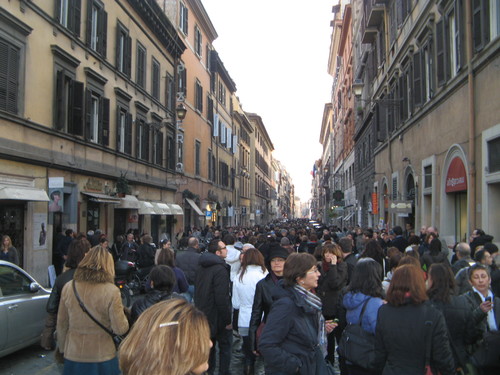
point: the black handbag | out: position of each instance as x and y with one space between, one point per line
117 339
487 354
356 345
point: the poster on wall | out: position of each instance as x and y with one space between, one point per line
39 231
56 194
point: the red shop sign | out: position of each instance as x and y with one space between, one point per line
456 179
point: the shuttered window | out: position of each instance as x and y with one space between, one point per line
183 18
155 79
140 77
69 104
170 151
9 77
97 27
199 97
68 14
123 50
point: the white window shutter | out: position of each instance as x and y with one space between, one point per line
223 133
235 144
229 137
216 125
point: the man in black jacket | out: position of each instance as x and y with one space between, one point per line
212 296
187 261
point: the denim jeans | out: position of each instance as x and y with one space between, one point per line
224 339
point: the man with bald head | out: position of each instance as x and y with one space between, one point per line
187 261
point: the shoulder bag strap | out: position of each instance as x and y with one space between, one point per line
363 311
87 312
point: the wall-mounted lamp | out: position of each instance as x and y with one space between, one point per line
181 111
357 89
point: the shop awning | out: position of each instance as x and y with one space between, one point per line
162 208
23 193
101 198
193 204
146 208
129 201
176 209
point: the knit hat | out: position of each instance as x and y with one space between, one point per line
278 252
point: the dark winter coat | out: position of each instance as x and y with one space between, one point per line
461 328
151 298
146 255
478 316
212 293
479 241
187 261
55 294
351 261
262 302
461 263
400 242
428 259
401 336
290 336
331 283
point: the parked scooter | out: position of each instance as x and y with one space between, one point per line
128 280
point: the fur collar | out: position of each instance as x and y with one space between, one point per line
92 276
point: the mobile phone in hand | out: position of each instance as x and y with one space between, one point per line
487 299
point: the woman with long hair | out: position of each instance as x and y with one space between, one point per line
252 270
170 338
77 250
457 314
333 279
364 296
9 252
410 332
166 257
433 255
374 250
294 338
87 348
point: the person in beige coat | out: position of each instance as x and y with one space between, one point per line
86 347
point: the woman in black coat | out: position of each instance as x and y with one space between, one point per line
458 316
294 338
408 327
333 279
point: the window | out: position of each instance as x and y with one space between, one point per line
140 75
97 26
155 79
170 151
96 117
224 174
427 176
494 155
198 41
123 130
9 77
183 18
123 50
142 138
222 93
68 13
169 92
199 97
13 282
423 83
394 188
68 103
158 146
480 23
197 158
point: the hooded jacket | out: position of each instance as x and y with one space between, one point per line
212 293
79 337
353 303
152 297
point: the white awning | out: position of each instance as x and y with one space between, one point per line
195 207
23 193
101 198
129 201
146 208
162 208
176 209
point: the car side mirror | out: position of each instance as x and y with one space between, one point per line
34 287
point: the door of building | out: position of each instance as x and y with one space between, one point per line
12 224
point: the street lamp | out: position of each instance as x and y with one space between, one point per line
357 89
181 111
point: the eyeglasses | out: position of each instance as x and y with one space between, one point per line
314 270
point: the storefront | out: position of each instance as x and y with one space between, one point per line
456 198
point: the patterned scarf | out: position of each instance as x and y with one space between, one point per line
315 302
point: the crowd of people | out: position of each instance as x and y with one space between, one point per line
289 290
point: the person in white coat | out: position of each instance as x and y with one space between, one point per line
233 256
252 270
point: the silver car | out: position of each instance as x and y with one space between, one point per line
22 308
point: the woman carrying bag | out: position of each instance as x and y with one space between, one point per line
88 348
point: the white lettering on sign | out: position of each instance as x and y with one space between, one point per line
455 181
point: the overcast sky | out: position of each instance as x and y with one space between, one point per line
276 51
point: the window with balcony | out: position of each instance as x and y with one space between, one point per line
97 27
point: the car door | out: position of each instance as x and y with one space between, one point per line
23 312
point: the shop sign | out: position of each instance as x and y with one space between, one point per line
374 203
456 179
401 207
208 214
93 184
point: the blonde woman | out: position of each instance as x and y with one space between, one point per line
87 348
8 252
175 325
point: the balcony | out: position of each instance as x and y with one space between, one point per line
372 18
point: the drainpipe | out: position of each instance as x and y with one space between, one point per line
472 120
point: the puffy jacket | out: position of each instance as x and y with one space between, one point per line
401 338
290 336
188 262
353 303
212 293
151 298
244 292
331 283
